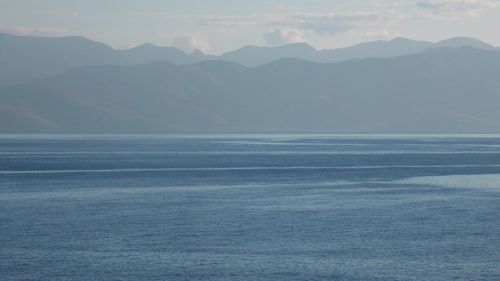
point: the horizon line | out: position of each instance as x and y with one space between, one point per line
244 46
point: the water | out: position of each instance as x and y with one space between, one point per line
275 207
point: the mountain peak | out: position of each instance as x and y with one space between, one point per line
145 46
197 52
299 45
401 39
457 42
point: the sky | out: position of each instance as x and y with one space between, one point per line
217 26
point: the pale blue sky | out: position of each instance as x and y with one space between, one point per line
216 26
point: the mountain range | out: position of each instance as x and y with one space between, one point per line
25 58
74 85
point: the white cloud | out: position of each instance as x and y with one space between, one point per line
329 23
37 31
382 34
288 21
454 9
326 23
191 43
283 36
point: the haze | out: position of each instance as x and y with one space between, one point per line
218 26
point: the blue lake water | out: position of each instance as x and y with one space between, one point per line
236 207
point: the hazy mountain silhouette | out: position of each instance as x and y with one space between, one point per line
445 90
396 47
458 42
253 55
377 49
147 53
24 59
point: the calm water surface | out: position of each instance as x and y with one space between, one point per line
275 207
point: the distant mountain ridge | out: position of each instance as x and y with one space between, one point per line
24 59
376 49
440 90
